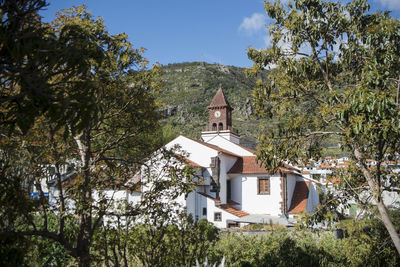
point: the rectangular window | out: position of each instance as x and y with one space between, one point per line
263 186
204 211
217 216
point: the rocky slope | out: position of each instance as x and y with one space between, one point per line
189 89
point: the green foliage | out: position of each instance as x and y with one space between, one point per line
174 245
12 250
336 74
271 249
98 119
367 244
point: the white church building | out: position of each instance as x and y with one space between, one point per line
235 188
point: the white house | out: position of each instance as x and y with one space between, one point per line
236 188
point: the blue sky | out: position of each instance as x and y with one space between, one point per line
215 31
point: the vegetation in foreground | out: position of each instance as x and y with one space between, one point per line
365 244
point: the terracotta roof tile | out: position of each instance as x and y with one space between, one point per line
188 161
250 165
232 202
219 100
247 165
232 210
325 166
300 196
332 180
227 207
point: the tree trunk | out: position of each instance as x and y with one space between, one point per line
84 260
388 224
377 195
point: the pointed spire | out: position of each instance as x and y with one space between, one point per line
219 100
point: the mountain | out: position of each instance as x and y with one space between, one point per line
189 89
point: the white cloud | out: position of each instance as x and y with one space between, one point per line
253 24
391 4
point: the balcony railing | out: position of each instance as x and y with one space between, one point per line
215 129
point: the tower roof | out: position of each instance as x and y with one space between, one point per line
219 100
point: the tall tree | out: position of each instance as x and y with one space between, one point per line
335 73
99 120
32 58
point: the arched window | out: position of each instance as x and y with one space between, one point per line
214 127
220 126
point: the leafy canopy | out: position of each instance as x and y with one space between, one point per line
335 73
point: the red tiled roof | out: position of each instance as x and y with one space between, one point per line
299 199
325 166
232 202
247 164
333 180
219 100
192 163
232 210
188 161
214 147
250 165
291 168
227 207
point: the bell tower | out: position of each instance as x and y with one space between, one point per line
220 119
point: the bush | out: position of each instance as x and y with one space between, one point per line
367 244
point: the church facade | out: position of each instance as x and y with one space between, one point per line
235 188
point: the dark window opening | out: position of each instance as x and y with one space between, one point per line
220 126
204 211
217 216
233 225
214 127
228 190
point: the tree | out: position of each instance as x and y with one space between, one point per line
98 123
37 64
335 73
167 235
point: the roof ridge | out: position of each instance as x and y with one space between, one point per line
219 100
188 161
219 149
208 196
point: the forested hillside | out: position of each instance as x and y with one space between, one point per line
189 89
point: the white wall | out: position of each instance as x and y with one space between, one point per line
236 189
291 184
211 209
313 198
261 204
226 164
224 143
198 153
